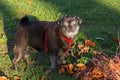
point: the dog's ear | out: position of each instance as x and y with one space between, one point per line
78 20
59 21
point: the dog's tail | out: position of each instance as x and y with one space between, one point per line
24 21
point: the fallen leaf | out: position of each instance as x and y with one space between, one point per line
61 70
80 46
3 78
15 77
70 67
115 40
70 72
96 52
30 2
89 43
85 49
81 66
43 78
96 73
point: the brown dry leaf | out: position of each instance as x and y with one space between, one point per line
86 49
102 67
80 46
43 78
81 66
70 72
96 52
115 40
117 59
64 66
15 77
96 73
70 67
61 70
3 78
89 43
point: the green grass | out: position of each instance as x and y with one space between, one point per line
101 18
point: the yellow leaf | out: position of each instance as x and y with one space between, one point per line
43 78
81 66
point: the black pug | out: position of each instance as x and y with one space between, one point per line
50 37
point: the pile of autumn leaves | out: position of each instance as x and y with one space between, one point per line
100 67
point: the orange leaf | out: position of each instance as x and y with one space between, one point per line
3 78
70 67
89 43
81 66
86 49
15 77
96 73
30 2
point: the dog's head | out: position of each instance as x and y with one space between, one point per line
69 25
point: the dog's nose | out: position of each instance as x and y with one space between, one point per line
70 26
70 30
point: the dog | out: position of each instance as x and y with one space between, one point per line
51 37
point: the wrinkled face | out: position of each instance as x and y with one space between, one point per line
69 25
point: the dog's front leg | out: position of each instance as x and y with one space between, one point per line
53 59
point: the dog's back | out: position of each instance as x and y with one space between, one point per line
32 33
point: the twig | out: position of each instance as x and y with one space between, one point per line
118 33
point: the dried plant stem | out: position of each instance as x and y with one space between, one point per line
118 33
117 50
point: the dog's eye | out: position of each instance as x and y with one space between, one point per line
73 23
66 23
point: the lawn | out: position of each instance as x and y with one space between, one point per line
101 20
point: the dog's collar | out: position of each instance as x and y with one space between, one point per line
68 40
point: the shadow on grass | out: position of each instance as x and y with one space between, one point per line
8 23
